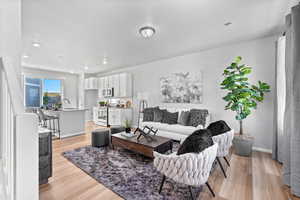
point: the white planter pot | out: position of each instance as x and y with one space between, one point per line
243 145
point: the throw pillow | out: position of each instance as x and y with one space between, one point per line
218 127
197 117
158 115
170 118
149 114
184 118
197 142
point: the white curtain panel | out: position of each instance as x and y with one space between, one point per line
281 94
291 158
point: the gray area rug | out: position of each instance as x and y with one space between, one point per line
131 176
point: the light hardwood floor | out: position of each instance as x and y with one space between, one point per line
257 178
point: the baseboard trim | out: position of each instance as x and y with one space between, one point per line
72 134
262 149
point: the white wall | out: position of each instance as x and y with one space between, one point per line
70 82
260 54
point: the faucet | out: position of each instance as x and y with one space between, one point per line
66 100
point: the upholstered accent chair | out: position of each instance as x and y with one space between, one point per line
225 142
192 169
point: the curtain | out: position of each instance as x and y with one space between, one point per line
291 158
279 104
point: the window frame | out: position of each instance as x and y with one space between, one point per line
42 87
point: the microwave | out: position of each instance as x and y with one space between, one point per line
109 92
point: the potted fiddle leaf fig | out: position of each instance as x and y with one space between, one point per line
242 98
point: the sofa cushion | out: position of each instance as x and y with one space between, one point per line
184 118
170 118
197 142
218 127
197 116
158 115
149 114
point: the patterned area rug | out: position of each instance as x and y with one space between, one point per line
131 176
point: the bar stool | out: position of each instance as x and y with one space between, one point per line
51 119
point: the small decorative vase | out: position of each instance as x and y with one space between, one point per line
127 130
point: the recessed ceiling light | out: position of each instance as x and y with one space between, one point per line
86 67
104 61
227 24
71 72
25 56
36 44
147 31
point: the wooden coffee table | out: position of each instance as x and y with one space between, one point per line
144 147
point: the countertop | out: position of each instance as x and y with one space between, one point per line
68 110
112 107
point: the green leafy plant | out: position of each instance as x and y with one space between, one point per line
127 123
46 99
242 97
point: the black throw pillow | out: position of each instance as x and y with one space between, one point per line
197 142
197 117
218 127
158 115
149 114
170 118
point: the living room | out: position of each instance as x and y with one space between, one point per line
149 100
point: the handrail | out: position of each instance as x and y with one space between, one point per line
18 139
14 85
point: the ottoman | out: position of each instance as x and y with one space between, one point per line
100 137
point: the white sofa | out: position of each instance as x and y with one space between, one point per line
174 131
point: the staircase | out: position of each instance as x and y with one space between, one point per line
18 140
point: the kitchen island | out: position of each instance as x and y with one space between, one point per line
71 121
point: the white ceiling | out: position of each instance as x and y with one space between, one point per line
76 33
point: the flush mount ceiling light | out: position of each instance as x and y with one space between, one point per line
36 44
147 31
25 56
227 24
86 67
104 61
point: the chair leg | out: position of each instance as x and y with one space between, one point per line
162 183
212 192
58 127
226 161
221 167
191 193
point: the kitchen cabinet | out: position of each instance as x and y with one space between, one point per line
101 87
125 85
114 117
91 83
116 84
117 116
122 84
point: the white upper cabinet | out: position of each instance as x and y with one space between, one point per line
122 84
91 83
116 85
101 86
125 85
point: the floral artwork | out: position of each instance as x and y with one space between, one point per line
182 88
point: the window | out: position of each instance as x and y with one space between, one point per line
52 92
33 88
46 92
